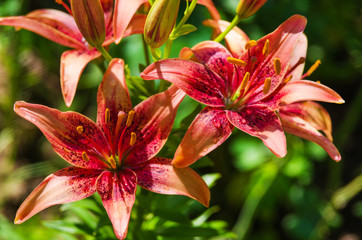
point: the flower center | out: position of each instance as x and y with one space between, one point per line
115 134
246 81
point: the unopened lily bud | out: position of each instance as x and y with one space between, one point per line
89 16
246 8
160 21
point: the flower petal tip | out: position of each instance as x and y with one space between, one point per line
17 220
337 158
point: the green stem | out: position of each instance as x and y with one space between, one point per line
222 35
186 16
145 49
105 54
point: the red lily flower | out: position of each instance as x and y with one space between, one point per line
113 155
247 90
61 28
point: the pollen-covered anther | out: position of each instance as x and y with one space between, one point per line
107 116
267 84
318 82
312 69
236 61
130 118
133 139
277 66
266 48
80 129
250 44
112 162
85 157
288 79
245 81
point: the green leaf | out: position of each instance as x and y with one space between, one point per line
185 29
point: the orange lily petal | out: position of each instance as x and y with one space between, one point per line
195 79
210 7
152 123
302 90
72 64
67 185
117 191
61 130
160 176
296 123
297 61
123 14
54 25
259 121
209 130
113 95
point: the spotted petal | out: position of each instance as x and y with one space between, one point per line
113 95
123 13
198 81
152 123
305 121
60 128
160 176
117 191
282 43
72 64
209 130
54 25
303 90
67 185
261 122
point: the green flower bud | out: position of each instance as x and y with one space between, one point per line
89 16
246 8
160 21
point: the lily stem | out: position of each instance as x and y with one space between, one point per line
222 35
145 50
104 53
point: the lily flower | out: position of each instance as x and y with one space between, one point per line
113 155
253 90
61 28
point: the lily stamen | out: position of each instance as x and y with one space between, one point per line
312 69
112 162
250 44
130 118
288 79
107 116
236 61
133 139
277 66
267 84
80 129
85 157
266 48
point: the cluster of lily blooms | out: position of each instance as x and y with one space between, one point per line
256 86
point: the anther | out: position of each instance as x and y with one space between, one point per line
236 61
133 139
318 82
266 48
107 116
112 162
130 118
277 66
267 85
245 80
312 68
250 44
80 129
85 157
288 79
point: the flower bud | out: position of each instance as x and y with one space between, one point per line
246 8
160 21
89 16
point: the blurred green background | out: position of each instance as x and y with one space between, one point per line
254 195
